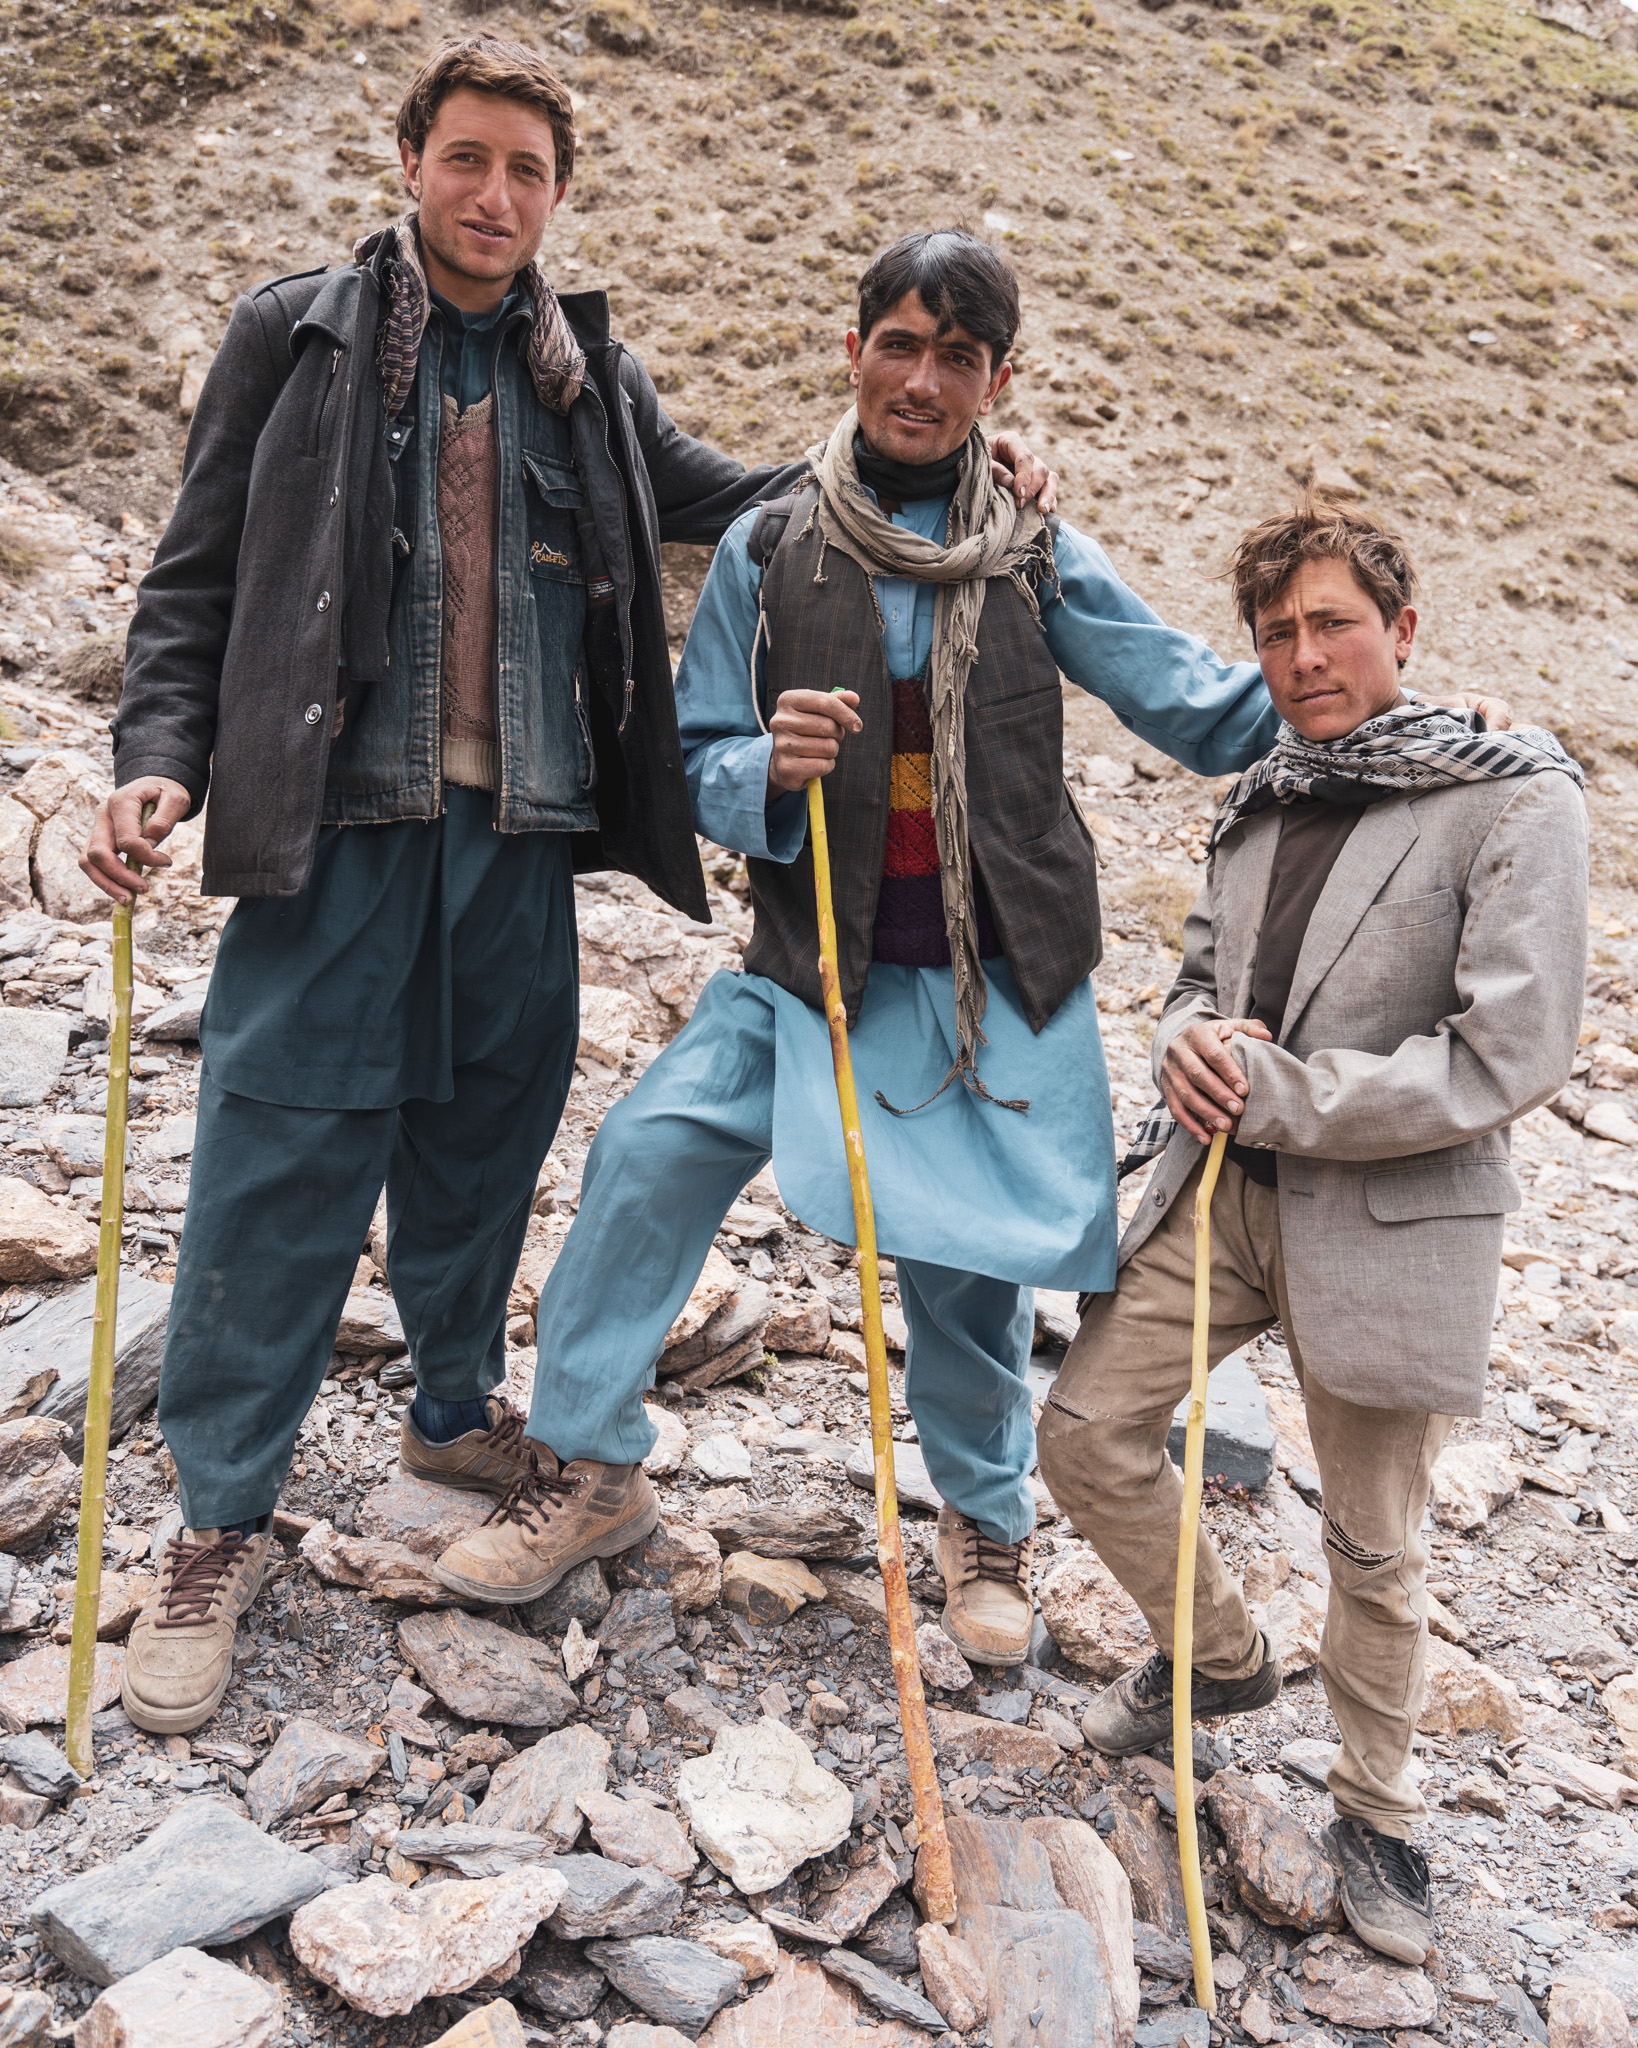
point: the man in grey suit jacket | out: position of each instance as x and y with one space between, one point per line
1384 969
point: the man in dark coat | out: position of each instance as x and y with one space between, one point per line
411 585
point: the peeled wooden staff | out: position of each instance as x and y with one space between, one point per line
1188 1536
935 1880
99 1395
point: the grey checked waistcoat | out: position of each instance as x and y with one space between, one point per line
1028 840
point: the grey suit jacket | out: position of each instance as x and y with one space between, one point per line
1437 996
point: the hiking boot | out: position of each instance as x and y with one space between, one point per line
1135 1712
179 1654
988 1611
552 1519
1385 1890
489 1460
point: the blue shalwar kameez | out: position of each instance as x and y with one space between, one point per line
978 1204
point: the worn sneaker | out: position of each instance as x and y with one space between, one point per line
1135 1712
1386 1894
179 1654
552 1519
988 1610
490 1460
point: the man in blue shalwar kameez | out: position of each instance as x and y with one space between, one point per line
967 909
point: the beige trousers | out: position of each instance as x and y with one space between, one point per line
1103 1454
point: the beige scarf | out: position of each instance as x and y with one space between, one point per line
987 536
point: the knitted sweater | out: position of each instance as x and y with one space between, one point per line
909 929
467 481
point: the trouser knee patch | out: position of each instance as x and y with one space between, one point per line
1342 1545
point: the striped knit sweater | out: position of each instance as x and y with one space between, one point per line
909 928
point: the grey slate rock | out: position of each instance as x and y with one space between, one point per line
638 1623
557 1980
303 1768
1011 1707
891 1998
1515 2002
581 1595
178 1021
203 1878
677 1983
613 1900
40 1764
889 1937
1239 1433
1158 1955
26 2021
1183 2026
33 1046
58 1334
1309 1760
473 1851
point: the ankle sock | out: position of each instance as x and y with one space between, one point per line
441 1422
256 1526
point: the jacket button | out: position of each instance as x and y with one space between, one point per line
335 493
1160 1198
324 601
313 713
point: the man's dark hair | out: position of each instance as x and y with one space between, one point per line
957 276
509 71
1317 529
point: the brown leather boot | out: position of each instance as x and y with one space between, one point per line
553 1519
179 1654
489 1460
988 1611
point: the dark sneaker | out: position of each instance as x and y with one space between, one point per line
1386 1894
553 1519
489 1460
179 1654
1135 1712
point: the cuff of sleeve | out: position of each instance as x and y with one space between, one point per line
785 825
132 768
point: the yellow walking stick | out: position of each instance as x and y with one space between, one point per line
1188 1535
99 1395
935 1880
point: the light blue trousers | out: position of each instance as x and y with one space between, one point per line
665 1167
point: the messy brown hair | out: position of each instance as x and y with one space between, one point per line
510 71
1319 530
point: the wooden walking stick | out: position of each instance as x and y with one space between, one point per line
1188 1536
99 1395
935 1881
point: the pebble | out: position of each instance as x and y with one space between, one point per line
952 1976
581 1595
1283 1874
678 1983
472 1851
614 1899
39 1765
1583 2013
540 1790
630 1831
670 1442
1091 1616
721 1457
426 1519
974 1736
683 1563
803 2008
1309 1760
1466 1697
759 1806
33 1046
184 2000
942 1664
897 2001
385 1947
303 1768
495 2025
487 1673
767 1590
910 1474
747 1942
556 1979
202 1878
1469 1482
806 1529
39 1241
36 1481
638 1623
1341 1984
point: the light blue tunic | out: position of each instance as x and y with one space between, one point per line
962 1183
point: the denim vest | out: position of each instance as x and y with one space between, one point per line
386 761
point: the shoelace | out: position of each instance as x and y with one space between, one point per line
1004 1562
535 1491
1153 1681
506 1435
1396 1864
197 1571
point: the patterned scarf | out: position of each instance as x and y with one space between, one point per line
988 536
1413 747
556 361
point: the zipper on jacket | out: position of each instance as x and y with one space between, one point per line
588 774
611 363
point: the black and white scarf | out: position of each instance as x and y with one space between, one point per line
1409 749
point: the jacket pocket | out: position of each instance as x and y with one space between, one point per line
1402 912
555 496
1451 1187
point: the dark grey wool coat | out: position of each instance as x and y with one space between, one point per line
268 597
